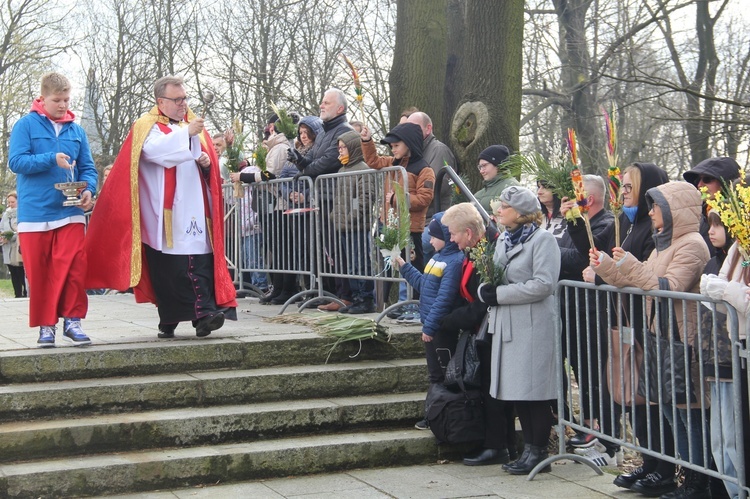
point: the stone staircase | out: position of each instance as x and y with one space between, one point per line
116 419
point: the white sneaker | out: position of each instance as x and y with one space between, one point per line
596 445
601 459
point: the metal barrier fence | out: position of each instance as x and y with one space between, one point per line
316 230
354 207
268 229
670 365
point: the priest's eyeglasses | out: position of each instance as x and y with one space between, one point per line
177 100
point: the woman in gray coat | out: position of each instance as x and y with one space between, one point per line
522 318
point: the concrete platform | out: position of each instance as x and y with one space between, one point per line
116 321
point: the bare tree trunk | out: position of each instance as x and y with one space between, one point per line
419 59
484 72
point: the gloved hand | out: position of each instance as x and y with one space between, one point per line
298 176
265 175
293 156
488 294
713 286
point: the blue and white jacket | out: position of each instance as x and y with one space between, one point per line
33 146
439 284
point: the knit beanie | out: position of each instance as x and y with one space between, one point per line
495 154
436 230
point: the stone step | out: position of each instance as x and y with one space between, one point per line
52 400
102 361
21 441
187 467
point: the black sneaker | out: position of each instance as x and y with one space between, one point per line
422 424
581 439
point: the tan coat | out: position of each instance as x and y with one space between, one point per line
681 253
680 256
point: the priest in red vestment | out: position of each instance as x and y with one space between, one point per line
158 225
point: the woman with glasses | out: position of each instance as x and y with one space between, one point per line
495 178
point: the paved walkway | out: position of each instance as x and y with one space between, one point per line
117 319
567 480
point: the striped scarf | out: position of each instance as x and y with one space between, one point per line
519 235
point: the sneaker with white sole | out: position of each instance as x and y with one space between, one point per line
595 445
410 318
72 332
422 424
46 337
601 459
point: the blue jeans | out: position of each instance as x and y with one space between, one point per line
357 249
252 258
723 438
689 437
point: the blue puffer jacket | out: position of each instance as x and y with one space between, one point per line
33 146
438 285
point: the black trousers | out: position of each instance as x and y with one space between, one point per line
536 421
18 278
499 415
184 286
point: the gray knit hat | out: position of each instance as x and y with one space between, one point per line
521 199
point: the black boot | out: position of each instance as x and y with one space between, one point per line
537 454
520 460
277 281
288 288
359 307
695 486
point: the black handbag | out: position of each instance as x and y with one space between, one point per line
464 364
665 355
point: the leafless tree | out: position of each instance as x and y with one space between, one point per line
32 35
668 102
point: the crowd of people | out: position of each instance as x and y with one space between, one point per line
159 229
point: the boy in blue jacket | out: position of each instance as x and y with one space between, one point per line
46 148
438 289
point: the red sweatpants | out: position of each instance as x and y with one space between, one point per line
55 263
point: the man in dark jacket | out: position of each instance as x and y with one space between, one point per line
713 174
323 158
579 319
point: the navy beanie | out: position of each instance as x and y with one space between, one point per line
436 230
